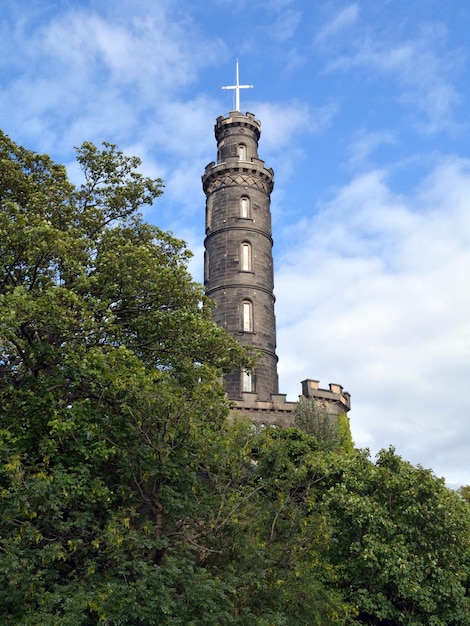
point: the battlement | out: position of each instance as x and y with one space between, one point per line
329 398
234 164
235 118
278 410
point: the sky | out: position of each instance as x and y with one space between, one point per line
364 113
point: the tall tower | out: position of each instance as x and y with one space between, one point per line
238 269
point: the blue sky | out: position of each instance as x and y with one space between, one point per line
364 111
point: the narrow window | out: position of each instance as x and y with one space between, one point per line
208 216
247 316
247 383
242 152
244 207
246 260
206 266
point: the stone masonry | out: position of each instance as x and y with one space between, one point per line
238 270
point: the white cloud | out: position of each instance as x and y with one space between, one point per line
346 18
149 50
374 295
421 72
186 127
271 6
282 123
364 144
285 25
86 75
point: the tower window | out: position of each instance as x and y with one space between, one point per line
245 208
246 264
206 266
247 381
247 316
242 152
208 215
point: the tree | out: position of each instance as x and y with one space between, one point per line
400 543
126 495
333 538
108 394
332 432
272 548
464 492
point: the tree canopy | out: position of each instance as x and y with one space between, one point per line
108 383
127 496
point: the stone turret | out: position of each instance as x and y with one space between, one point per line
238 272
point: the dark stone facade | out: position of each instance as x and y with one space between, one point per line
238 189
238 269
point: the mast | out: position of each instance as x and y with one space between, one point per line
237 88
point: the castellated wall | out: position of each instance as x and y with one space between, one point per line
279 411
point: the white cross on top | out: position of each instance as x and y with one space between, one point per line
237 88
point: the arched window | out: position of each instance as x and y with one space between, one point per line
245 208
247 381
246 262
242 152
247 316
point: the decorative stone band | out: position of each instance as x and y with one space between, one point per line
230 229
257 179
246 286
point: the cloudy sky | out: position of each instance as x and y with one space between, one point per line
364 111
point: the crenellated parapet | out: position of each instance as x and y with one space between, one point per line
333 399
237 124
278 410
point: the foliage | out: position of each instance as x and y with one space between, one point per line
108 391
344 431
272 548
126 495
332 433
464 492
400 543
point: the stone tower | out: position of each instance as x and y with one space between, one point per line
238 271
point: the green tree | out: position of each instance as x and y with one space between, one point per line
108 396
126 495
464 492
327 538
400 543
332 432
273 548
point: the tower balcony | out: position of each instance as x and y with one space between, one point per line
235 172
